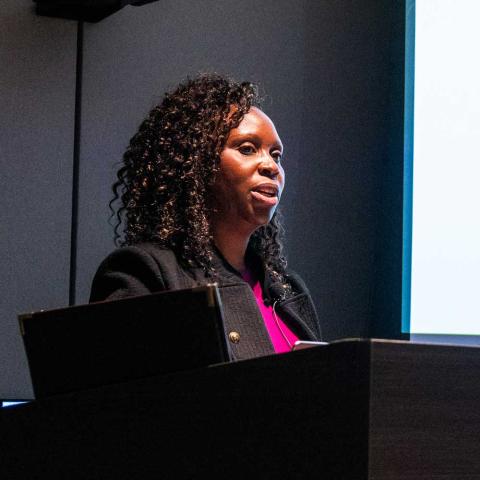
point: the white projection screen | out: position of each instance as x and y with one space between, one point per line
445 192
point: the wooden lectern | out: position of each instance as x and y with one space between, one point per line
354 409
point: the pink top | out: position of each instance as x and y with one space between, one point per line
281 336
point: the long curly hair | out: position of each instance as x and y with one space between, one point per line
163 190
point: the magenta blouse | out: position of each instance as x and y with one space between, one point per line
281 336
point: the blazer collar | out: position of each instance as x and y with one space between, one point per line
273 290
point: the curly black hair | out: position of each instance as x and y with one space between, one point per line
164 184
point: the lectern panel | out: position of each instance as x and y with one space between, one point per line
425 412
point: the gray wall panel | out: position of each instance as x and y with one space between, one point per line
37 58
333 72
352 200
131 58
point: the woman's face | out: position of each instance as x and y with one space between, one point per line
250 180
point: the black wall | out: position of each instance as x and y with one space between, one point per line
333 75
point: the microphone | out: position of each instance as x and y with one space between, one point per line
277 292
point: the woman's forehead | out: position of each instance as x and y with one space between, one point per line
256 122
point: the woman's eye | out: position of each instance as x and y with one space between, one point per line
247 149
277 156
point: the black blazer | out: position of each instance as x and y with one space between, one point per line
147 268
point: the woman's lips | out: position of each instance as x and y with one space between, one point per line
267 200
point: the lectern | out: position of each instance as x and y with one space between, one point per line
354 409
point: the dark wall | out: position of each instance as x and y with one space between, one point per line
37 82
349 208
332 73
134 56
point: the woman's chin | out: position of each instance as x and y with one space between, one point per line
262 218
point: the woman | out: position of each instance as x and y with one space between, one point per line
199 188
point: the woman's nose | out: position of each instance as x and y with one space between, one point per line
268 167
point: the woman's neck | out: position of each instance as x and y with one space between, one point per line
232 245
